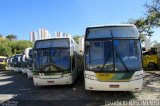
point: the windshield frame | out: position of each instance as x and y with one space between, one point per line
113 39
111 28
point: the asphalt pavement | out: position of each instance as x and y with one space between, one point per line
17 89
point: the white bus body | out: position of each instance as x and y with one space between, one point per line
112 58
56 61
17 65
23 64
28 60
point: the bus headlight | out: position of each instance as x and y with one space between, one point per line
92 77
66 75
137 77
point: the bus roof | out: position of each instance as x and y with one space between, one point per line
112 30
3 57
51 39
52 42
113 25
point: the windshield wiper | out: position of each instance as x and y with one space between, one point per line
121 60
105 62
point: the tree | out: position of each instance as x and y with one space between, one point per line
153 13
76 38
11 37
9 48
142 25
5 51
155 43
22 45
146 24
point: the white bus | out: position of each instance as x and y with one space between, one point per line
56 61
113 58
17 63
11 63
23 63
28 58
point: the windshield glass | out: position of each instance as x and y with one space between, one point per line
99 56
30 53
2 59
55 59
127 55
16 61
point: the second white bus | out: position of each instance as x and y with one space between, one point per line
56 61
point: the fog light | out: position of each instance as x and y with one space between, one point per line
136 88
66 75
92 77
90 87
137 77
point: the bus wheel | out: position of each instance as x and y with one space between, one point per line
152 65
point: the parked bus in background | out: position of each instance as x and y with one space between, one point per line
7 63
112 58
3 62
28 59
56 61
23 64
10 63
151 58
17 63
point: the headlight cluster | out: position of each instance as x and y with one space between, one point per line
137 77
92 77
66 75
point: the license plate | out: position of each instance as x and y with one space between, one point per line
114 86
50 81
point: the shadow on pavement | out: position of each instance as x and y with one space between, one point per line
26 94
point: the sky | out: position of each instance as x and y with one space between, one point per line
19 17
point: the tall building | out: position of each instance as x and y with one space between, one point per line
43 33
61 35
33 36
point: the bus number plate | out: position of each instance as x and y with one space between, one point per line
114 86
50 81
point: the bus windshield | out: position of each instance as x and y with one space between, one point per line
113 55
2 59
52 59
16 61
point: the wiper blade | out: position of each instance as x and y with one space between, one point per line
121 60
105 62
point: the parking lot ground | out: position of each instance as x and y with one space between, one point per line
17 89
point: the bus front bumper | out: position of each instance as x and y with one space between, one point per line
17 69
52 81
134 85
29 73
24 70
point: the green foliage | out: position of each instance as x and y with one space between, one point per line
153 13
155 43
9 48
76 38
11 37
142 26
146 24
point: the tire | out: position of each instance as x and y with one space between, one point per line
152 65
